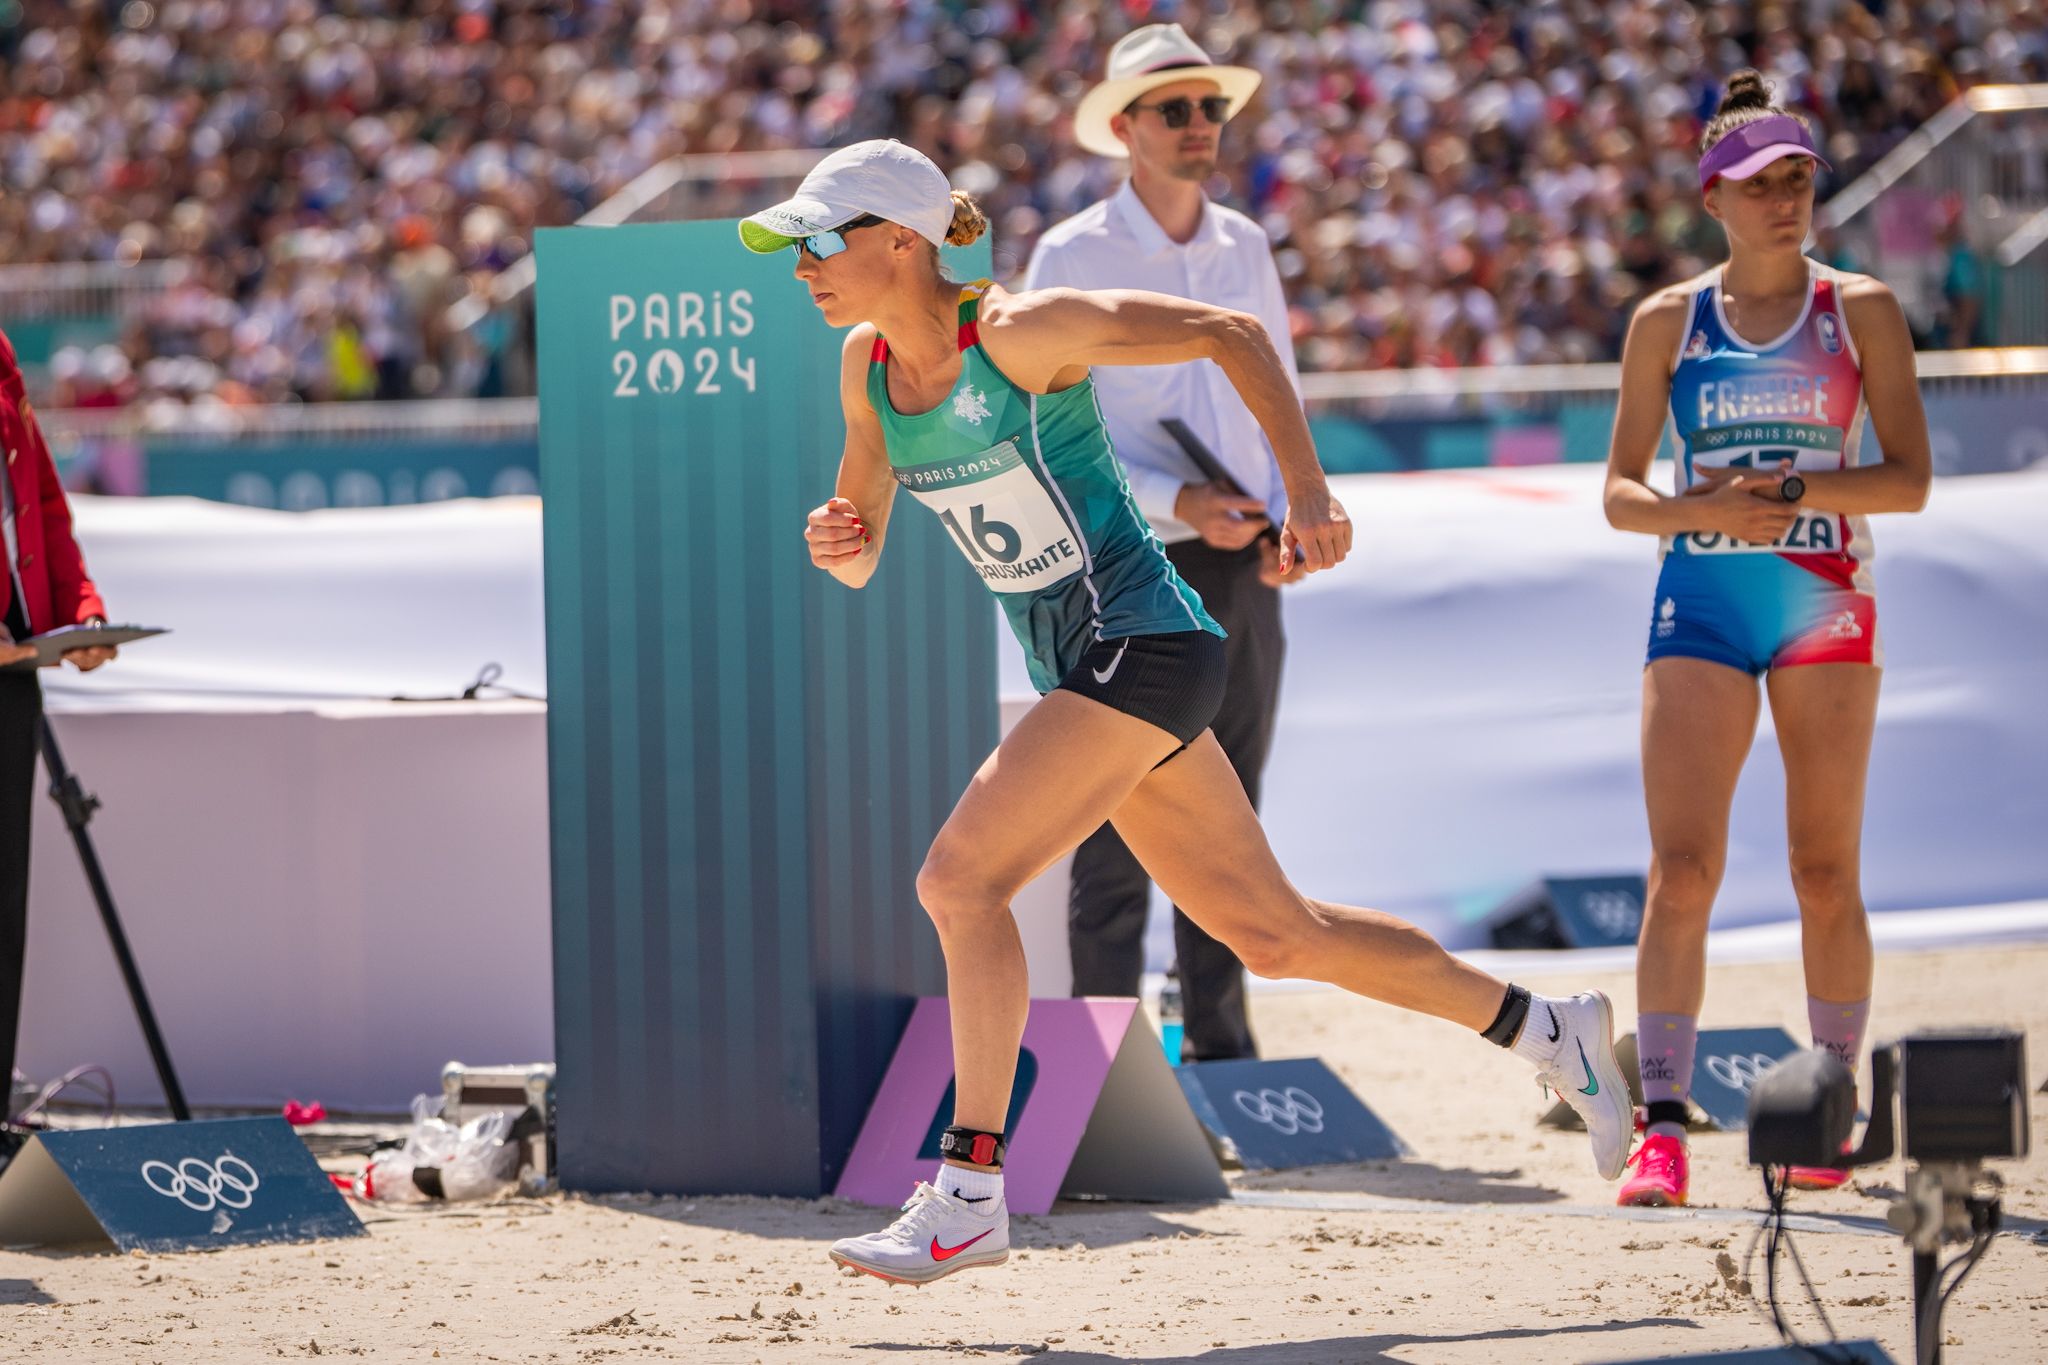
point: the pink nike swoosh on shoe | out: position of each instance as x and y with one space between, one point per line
940 1253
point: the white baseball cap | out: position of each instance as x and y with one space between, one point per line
880 177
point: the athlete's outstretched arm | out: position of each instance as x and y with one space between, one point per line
1045 339
845 534
1639 419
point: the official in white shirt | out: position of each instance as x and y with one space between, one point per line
1163 106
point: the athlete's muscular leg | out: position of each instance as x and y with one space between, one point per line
1192 828
1699 718
1825 714
1055 778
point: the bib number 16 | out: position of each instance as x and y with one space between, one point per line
984 538
999 516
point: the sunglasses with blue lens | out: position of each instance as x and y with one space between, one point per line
826 245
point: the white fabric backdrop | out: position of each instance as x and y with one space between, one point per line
330 898
271 607
324 902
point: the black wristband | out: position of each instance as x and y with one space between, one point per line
973 1146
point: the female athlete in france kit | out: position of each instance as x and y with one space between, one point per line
1763 367
977 402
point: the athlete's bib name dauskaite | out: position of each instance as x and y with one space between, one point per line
1051 557
681 317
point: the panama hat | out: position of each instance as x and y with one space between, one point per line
1144 59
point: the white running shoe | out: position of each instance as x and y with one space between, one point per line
1585 1075
938 1234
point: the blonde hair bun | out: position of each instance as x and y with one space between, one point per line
969 222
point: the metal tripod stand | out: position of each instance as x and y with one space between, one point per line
78 806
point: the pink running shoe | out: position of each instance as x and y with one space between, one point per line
1661 1174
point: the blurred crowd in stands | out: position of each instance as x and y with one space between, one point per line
1446 182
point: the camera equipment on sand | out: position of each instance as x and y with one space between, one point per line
1949 1102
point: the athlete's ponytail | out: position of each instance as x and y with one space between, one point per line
969 222
1746 99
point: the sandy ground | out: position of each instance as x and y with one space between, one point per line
1512 1252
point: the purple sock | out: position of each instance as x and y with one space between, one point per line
1664 1048
1838 1027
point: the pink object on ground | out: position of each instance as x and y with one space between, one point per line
299 1115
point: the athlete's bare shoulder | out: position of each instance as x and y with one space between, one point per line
858 348
1671 303
1002 307
1030 333
854 355
1856 286
1876 321
1862 289
859 343
1661 317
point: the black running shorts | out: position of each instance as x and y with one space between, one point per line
1172 681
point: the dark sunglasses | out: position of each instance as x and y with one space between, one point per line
1177 111
825 245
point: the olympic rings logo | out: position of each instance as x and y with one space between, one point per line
1287 1112
200 1185
1613 912
1739 1072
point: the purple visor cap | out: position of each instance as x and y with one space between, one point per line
1753 146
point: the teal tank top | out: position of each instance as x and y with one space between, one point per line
1029 490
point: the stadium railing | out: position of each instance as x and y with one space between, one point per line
1964 195
45 307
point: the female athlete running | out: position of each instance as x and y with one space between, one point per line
1765 366
977 402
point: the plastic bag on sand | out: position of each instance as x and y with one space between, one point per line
441 1161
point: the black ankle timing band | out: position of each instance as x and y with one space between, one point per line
973 1146
1667 1111
1507 1025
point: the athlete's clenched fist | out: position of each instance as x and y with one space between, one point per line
836 535
1317 534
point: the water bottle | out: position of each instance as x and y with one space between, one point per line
1169 1016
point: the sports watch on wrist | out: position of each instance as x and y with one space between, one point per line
1792 488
